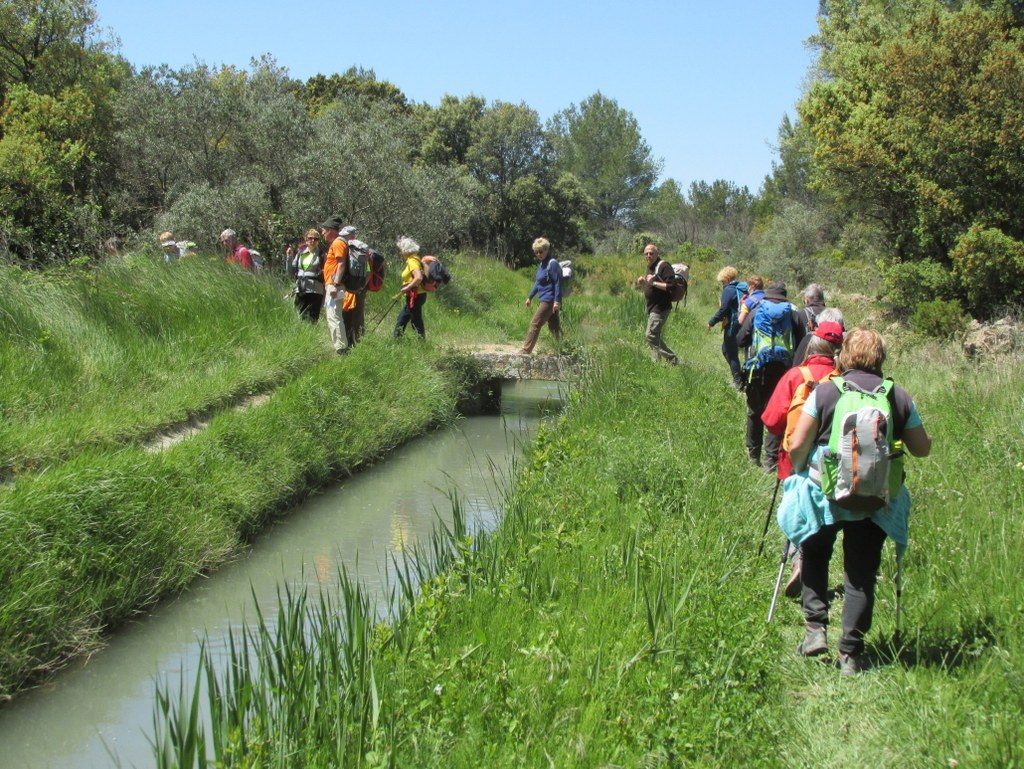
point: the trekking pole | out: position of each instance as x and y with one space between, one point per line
768 519
778 579
899 595
385 313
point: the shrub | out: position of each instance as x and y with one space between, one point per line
909 284
989 265
941 318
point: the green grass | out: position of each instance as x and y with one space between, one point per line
615 617
111 356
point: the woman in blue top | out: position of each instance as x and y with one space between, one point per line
547 287
812 522
728 316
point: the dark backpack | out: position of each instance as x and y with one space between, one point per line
377 268
434 273
354 278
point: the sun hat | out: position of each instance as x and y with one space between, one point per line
332 223
775 291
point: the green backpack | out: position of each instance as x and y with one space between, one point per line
862 468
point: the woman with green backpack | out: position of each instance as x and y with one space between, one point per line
847 451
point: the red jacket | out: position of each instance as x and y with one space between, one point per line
241 256
775 414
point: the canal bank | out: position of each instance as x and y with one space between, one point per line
359 525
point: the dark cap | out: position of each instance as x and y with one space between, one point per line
775 291
332 223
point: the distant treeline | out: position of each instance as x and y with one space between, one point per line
905 160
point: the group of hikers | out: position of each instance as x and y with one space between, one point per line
837 433
837 429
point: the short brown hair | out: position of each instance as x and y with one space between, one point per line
755 283
863 349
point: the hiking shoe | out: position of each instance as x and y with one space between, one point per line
814 643
850 664
794 585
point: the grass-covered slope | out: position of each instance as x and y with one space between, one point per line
616 617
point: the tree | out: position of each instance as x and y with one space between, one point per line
45 45
600 143
321 91
450 129
918 119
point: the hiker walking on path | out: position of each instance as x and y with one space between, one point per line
236 252
413 296
656 285
750 300
784 407
307 267
547 287
771 331
353 311
814 306
335 264
866 507
728 315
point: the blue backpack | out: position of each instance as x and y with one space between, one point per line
772 338
741 291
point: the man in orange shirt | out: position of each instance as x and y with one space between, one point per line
335 264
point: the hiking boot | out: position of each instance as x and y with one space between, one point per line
794 585
814 643
850 664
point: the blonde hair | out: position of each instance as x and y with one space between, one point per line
727 274
312 233
541 244
407 245
863 349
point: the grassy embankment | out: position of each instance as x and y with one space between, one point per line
616 617
92 526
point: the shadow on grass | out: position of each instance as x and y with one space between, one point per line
931 650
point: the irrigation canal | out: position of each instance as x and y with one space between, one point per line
100 713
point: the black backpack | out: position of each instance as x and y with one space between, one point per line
434 273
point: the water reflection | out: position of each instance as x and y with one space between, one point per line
103 709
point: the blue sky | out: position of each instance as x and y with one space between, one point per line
708 82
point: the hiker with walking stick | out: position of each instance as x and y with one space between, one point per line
783 410
861 493
412 280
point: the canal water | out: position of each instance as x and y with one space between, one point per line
99 713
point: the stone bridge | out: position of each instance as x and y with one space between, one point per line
504 365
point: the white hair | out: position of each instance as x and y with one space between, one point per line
831 314
814 292
407 245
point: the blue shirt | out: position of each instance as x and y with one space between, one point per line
547 285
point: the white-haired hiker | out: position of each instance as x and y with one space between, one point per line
412 279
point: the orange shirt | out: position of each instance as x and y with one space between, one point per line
337 255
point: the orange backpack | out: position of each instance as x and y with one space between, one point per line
800 395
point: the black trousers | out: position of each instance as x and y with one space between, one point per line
412 311
308 306
759 392
862 555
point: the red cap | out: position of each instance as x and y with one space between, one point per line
830 331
